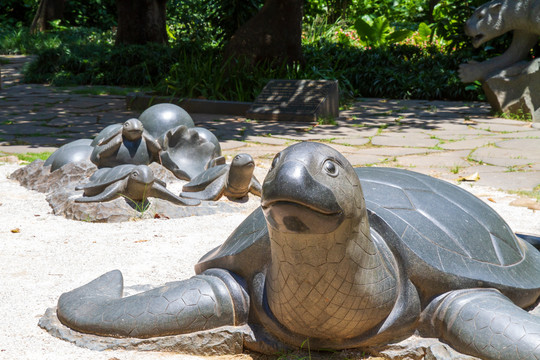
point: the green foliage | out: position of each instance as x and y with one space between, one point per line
99 14
17 12
378 32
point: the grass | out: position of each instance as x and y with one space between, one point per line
520 115
29 157
534 194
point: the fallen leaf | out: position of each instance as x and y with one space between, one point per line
472 177
16 230
491 199
140 241
161 216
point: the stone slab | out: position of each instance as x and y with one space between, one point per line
504 157
296 100
468 143
404 140
445 159
354 141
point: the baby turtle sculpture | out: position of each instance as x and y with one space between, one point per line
126 143
187 152
319 262
234 181
135 182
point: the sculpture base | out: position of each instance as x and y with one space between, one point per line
516 90
60 184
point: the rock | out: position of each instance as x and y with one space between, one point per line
418 348
516 90
226 340
10 159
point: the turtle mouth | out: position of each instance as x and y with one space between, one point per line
301 218
478 39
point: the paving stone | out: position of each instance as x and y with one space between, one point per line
356 141
22 149
365 159
505 157
501 127
267 140
468 143
404 140
396 151
231 144
531 146
445 159
500 178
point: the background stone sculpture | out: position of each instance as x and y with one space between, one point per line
127 143
508 88
318 262
234 181
134 182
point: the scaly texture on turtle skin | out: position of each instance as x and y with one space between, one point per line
135 182
323 260
126 143
234 181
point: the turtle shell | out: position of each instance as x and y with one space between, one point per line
201 181
444 234
445 237
106 176
106 133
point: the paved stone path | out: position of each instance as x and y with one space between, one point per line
443 139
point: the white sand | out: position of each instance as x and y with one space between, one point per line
51 255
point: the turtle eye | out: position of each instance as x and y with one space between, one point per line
135 174
331 168
275 161
237 157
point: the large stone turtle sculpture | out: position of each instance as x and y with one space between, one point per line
134 182
234 180
316 261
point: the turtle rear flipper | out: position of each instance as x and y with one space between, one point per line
483 323
206 301
211 193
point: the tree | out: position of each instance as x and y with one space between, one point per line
273 34
48 10
141 21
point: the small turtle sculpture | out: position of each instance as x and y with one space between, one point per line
234 181
135 182
126 143
319 261
187 152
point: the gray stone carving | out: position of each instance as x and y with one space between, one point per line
324 260
134 182
492 20
160 118
186 153
126 143
516 90
234 181
75 151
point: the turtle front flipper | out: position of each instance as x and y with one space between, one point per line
111 192
159 191
483 323
212 299
255 187
212 192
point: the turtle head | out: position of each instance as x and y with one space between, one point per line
132 129
142 174
310 189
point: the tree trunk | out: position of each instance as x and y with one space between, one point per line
48 10
141 21
273 34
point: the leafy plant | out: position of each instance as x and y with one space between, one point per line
378 32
